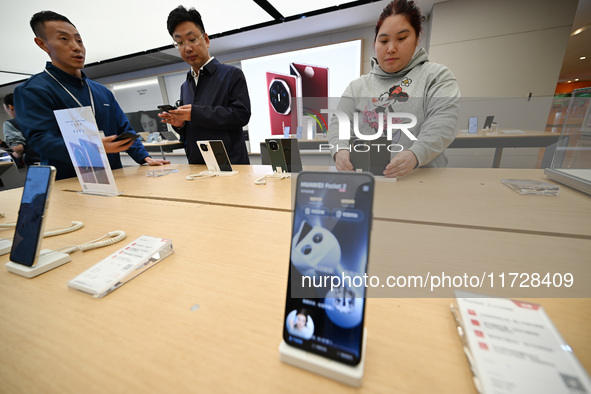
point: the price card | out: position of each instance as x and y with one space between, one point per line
119 268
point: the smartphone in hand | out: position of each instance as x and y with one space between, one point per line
126 135
166 107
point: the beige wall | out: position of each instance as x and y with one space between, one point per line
501 51
502 48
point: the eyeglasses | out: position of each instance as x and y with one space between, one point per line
191 42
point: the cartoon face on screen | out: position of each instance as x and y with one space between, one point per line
347 306
315 250
300 323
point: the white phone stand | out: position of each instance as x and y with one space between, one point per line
210 173
5 246
48 260
279 174
351 375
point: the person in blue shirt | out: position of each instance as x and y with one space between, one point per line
14 136
63 85
214 99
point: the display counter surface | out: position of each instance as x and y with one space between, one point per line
463 197
209 317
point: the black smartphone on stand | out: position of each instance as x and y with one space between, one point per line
488 122
291 152
215 155
220 154
330 239
276 155
31 215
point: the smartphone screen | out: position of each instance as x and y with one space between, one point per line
473 125
219 151
330 239
291 153
29 226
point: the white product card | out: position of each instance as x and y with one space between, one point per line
514 348
119 268
81 135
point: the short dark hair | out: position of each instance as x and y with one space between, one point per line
9 99
407 8
180 14
38 21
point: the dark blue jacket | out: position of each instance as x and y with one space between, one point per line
40 95
220 108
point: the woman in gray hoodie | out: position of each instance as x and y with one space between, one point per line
403 87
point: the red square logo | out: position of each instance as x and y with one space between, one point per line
475 322
479 333
472 312
483 345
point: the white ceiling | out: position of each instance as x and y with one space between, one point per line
117 28
578 45
109 28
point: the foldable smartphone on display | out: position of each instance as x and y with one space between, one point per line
215 155
31 215
330 240
488 122
305 91
169 136
314 90
372 156
314 79
284 91
284 153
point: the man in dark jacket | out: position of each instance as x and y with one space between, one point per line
63 85
214 99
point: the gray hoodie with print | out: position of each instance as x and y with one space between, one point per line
425 89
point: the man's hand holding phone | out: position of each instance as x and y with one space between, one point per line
114 144
176 117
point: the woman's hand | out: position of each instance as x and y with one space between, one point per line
341 160
401 164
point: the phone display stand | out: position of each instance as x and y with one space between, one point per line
279 174
210 173
351 375
122 266
226 173
98 193
48 260
5 246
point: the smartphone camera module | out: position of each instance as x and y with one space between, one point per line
203 147
280 96
273 145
